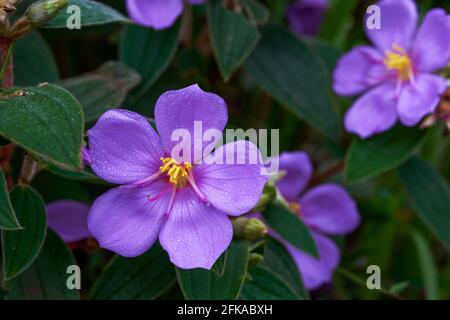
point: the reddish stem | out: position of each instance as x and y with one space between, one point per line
331 171
8 77
8 81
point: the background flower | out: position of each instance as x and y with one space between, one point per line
305 17
396 74
326 209
158 14
68 218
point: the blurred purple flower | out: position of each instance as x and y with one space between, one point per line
397 72
326 209
68 219
305 17
158 14
185 205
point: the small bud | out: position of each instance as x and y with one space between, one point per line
254 259
269 194
44 10
249 229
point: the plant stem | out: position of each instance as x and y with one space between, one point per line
6 81
30 168
6 72
331 171
361 282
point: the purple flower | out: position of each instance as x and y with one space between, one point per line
68 219
396 74
158 14
184 204
305 17
326 209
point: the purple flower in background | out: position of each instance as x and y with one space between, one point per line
183 204
305 17
68 219
326 209
158 14
396 74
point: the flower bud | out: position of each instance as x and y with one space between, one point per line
269 194
254 259
44 10
249 229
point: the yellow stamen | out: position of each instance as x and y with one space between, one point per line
398 59
176 172
295 207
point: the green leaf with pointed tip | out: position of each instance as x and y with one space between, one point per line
289 226
265 285
143 277
8 220
45 120
256 11
280 262
48 276
429 195
202 284
32 69
287 69
428 267
20 247
149 52
381 153
233 37
102 89
92 13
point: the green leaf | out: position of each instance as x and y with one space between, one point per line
149 52
143 277
33 61
256 11
233 37
429 195
398 288
427 266
290 228
265 285
47 277
92 13
20 247
381 153
280 262
102 89
286 67
45 120
8 220
202 284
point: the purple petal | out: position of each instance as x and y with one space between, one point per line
158 14
68 219
421 99
374 112
232 188
398 24
123 147
330 209
196 2
179 109
195 234
305 16
358 70
298 169
126 220
431 48
316 272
